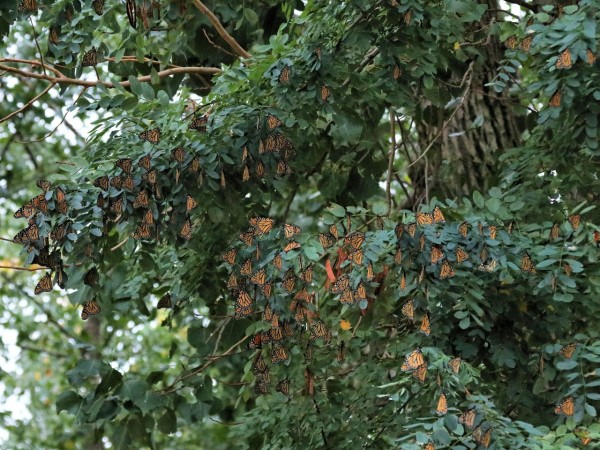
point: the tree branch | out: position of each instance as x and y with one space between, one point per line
388 182
237 48
28 104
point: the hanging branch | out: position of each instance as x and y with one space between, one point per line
237 48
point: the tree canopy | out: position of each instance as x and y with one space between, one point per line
300 224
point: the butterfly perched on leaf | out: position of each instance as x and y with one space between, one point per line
278 354
575 221
152 136
289 281
199 123
420 373
326 240
555 99
564 60
28 235
27 5
566 407
90 58
44 285
483 438
131 13
318 329
290 230
511 42
186 230
125 164
527 264
325 93
164 302
568 350
244 305
283 386
59 232
292 245
259 277
91 308
91 277
425 327
489 266
436 254
526 43
142 199
554 231
284 75
246 268
273 121
143 231
408 309
259 366
454 364
102 182
442 405
341 284
43 185
307 274
262 225
413 360
463 229
468 418
461 255
446 270
355 239
230 255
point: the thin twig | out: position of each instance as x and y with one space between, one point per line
28 104
388 182
37 45
26 269
42 350
289 202
237 48
216 45
120 244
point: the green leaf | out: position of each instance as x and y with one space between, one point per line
69 401
136 86
478 199
337 210
167 423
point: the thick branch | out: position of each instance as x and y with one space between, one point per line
237 48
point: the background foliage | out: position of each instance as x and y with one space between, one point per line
364 116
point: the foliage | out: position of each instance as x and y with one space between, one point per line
206 164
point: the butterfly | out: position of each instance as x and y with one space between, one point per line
454 364
247 236
279 354
25 211
199 123
131 13
425 325
555 99
260 169
583 435
59 231
232 282
262 225
151 177
127 182
143 231
420 373
164 302
424 218
246 268
360 293
568 269
307 274
293 245
230 255
142 199
326 240
284 75
334 231
259 277
488 267
436 254
597 238
403 281
186 230
413 360
397 72
463 229
40 203
442 405
355 239
399 230
273 121
44 285
290 230
446 270
222 182
125 164
283 386
319 330
243 305
461 255
29 234
574 220
325 93
116 205
91 277
566 407
568 350
511 42
277 261
468 418
356 256
178 154
342 284
245 173
564 60
370 274
266 289
261 387
98 6
282 168
492 229
27 5
90 58
255 342
483 438
554 231
526 43
91 308
411 229
194 166
152 136
43 185
289 281
408 309
591 58
398 256
527 264
259 365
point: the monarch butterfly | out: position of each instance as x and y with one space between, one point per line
397 72
429 446
116 205
277 261
492 229
307 274
326 240
355 239
425 325
259 365
413 360
243 305
408 309
245 173
190 203
360 292
43 258
127 182
186 230
291 230
566 407
246 268
273 121
29 234
141 199
232 282
194 166
318 330
370 274
151 177
282 168
98 6
91 308
164 302
568 269
40 203
422 242
259 277
90 58
568 350
125 164
262 225
230 255
526 43
27 5
463 229
488 267
527 264
555 99
446 270
325 93
284 75
288 330
43 185
483 438
266 289
260 169
468 418
511 42
347 297
44 285
261 387
293 245
25 211
398 230
574 220
564 60
342 284
591 58
143 231
274 143
403 281
131 13
442 405
289 281
398 256
583 435
436 254
438 215
247 236
411 229
91 277
461 255
178 154
356 256
424 218
199 123
283 386
255 342
554 231
454 364
152 136
59 231
279 354
420 373
62 207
